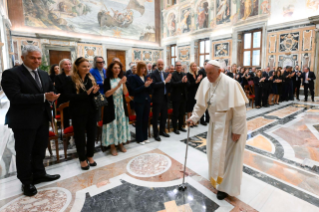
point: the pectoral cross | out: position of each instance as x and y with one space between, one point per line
208 103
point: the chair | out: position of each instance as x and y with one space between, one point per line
66 132
169 119
100 129
131 113
53 135
250 93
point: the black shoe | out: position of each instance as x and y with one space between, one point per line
164 134
157 138
203 123
86 167
221 195
92 164
182 129
29 190
176 132
46 178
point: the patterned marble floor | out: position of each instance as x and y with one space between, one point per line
279 172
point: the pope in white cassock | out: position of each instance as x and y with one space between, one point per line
226 102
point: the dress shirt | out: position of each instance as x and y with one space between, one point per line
33 75
306 77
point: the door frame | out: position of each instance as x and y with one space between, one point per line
46 50
127 50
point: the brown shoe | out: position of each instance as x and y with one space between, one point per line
122 148
113 150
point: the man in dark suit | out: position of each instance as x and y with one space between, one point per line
29 90
161 87
308 78
179 85
203 73
297 81
289 75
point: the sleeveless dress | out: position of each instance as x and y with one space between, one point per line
117 131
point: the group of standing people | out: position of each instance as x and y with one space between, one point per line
274 86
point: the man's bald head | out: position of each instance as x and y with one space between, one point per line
212 72
160 64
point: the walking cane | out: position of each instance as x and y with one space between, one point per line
183 187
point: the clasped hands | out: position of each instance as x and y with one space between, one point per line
199 78
184 79
93 89
51 97
168 78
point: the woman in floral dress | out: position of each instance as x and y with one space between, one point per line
115 120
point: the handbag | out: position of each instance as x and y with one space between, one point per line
99 101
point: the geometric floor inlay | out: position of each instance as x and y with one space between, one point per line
52 199
149 165
128 197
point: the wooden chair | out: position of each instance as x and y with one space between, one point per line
169 119
53 135
100 129
250 93
131 113
66 132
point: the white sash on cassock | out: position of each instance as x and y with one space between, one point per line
229 94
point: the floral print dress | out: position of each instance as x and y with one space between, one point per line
117 131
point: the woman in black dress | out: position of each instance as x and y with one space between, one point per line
54 71
277 82
194 79
258 82
245 77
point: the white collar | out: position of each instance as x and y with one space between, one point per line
29 69
217 80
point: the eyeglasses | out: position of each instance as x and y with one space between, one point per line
178 65
100 62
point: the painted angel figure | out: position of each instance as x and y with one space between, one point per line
312 4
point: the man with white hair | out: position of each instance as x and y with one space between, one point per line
149 68
30 92
226 102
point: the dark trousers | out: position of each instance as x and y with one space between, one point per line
289 90
297 88
159 108
142 111
311 88
258 95
202 119
30 146
265 94
82 124
179 108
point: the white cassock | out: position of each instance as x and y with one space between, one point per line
227 112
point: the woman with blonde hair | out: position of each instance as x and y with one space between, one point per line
141 90
194 79
61 81
116 130
81 90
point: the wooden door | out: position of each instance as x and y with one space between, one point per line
57 56
119 54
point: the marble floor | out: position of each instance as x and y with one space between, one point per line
281 172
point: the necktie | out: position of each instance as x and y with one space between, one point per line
37 79
161 73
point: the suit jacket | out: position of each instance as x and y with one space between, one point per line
97 76
61 84
27 103
179 89
158 87
202 72
312 77
286 73
128 73
297 79
80 103
140 92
